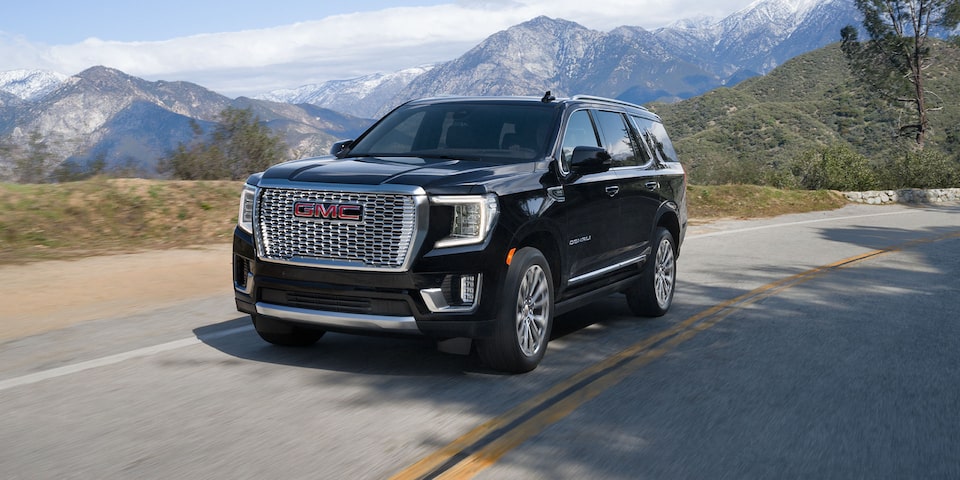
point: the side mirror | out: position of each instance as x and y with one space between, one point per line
341 147
586 160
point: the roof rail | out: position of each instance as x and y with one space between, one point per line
608 100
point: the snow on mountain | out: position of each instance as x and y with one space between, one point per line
702 22
680 60
30 84
103 111
356 95
105 114
769 32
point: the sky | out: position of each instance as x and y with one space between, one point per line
247 47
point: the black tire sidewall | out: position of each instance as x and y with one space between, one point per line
502 351
642 296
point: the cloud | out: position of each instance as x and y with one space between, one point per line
337 47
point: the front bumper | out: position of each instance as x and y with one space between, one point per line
411 303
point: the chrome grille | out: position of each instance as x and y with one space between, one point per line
380 240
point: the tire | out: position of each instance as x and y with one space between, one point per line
652 295
525 317
285 334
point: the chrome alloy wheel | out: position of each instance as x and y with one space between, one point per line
665 274
533 311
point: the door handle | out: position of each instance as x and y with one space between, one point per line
652 185
612 190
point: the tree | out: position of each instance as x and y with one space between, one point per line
897 56
34 164
248 145
239 145
72 171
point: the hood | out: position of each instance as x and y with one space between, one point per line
429 173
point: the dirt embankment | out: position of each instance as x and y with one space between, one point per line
45 296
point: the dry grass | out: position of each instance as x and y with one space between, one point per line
106 216
750 201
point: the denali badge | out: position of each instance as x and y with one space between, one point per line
329 211
583 239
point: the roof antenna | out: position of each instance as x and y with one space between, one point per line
548 97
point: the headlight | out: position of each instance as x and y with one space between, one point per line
473 218
245 217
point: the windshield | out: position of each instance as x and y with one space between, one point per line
469 131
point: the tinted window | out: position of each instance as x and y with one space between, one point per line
646 138
485 131
619 140
400 138
580 133
656 139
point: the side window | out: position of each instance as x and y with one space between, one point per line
664 145
620 140
647 140
656 139
580 132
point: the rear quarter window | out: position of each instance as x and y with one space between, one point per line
655 137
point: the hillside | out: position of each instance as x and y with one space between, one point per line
681 60
130 122
811 101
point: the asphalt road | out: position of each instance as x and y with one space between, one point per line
821 345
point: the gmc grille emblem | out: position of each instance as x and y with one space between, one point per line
328 211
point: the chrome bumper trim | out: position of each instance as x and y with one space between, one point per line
375 323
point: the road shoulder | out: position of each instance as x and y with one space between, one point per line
46 296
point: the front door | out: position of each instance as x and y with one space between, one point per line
591 206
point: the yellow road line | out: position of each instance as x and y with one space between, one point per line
483 446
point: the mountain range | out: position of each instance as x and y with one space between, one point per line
130 122
105 113
679 61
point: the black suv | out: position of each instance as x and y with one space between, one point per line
475 218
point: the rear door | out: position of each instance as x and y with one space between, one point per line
638 196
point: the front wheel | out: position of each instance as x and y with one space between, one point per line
652 295
283 333
525 317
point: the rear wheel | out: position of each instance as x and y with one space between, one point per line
525 317
653 294
285 334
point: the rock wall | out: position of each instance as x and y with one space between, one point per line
907 195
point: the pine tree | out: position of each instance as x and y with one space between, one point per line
897 57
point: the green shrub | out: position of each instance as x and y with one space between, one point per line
837 167
925 169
